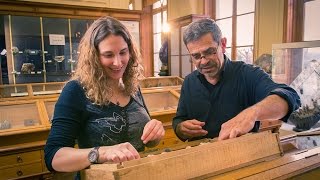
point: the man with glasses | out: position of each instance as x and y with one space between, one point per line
225 98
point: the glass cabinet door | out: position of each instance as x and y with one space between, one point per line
56 49
43 49
78 28
26 49
16 116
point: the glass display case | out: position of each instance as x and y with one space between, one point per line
78 28
45 49
162 104
56 49
27 63
46 89
13 91
49 108
23 133
298 65
17 117
161 82
42 49
30 91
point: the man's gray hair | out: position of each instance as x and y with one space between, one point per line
197 29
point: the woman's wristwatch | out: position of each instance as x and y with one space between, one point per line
93 155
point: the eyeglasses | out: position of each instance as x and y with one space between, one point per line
196 57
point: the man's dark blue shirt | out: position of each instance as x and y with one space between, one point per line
240 86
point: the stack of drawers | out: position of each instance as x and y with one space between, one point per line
21 164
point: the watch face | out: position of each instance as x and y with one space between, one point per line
93 156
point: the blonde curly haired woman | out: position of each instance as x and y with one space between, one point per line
101 107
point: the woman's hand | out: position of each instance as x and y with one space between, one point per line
118 153
153 132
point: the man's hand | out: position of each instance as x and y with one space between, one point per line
191 128
239 125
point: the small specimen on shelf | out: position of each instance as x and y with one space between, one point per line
15 50
5 124
27 68
29 122
59 58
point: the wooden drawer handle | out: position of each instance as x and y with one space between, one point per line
19 159
19 173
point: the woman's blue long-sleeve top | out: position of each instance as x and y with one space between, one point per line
77 120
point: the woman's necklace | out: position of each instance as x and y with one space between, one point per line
117 102
120 91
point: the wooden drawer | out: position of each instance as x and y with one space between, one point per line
169 134
20 158
20 171
167 143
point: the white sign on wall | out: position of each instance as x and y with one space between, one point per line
57 39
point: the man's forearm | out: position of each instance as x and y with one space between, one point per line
272 107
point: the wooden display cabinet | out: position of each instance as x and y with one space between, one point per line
23 131
42 38
162 105
48 110
52 89
30 91
16 91
17 117
170 82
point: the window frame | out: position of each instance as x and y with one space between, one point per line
160 10
234 17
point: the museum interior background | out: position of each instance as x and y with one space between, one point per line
38 53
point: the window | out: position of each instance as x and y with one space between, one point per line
159 36
311 22
236 21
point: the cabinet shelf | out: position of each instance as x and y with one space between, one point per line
33 73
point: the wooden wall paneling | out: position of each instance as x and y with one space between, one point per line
268 26
85 3
65 11
293 23
182 8
293 32
147 41
148 2
193 162
209 8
